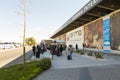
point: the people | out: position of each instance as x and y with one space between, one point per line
38 51
42 45
65 48
83 46
57 50
61 50
52 50
34 49
76 47
70 49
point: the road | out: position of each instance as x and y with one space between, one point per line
12 56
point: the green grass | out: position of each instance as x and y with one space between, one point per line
18 72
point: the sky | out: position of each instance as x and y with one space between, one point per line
43 17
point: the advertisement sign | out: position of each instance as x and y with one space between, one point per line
93 35
115 31
106 34
75 37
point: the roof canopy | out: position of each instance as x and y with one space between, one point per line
93 10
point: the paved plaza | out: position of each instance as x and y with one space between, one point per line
82 67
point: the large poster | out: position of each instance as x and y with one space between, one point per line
115 31
106 33
75 37
93 34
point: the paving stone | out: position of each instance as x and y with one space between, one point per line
82 68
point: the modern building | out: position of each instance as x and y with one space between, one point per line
97 25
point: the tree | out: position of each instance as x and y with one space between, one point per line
30 41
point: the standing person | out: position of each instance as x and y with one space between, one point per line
38 51
42 47
61 50
34 49
70 49
57 50
76 47
83 47
65 48
52 50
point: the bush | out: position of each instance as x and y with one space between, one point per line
81 52
99 55
31 69
78 51
45 63
90 54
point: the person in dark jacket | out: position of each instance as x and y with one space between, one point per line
84 47
38 51
61 50
34 49
76 46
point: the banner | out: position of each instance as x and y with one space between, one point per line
115 31
106 34
93 35
75 37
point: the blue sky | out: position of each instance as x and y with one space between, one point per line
44 17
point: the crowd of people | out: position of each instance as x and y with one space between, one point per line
57 49
39 49
54 49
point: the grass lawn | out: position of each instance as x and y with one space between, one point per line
31 69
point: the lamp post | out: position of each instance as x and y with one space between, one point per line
24 36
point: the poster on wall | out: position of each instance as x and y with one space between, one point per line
115 31
75 37
106 34
93 35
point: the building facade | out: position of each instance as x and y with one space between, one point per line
97 25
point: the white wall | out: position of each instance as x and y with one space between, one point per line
75 36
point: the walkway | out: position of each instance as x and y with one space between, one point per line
82 68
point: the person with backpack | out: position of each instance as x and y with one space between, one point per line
70 49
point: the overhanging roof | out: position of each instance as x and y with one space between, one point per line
93 10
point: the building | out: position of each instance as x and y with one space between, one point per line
97 25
